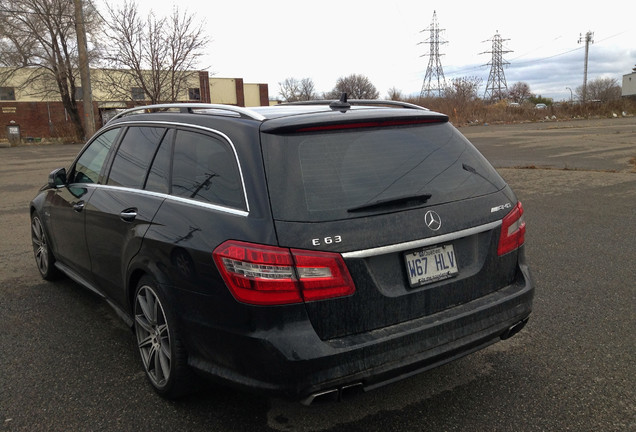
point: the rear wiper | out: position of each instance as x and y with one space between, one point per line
472 170
404 201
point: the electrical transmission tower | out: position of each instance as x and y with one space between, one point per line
588 40
434 71
496 88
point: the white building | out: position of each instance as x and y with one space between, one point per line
629 84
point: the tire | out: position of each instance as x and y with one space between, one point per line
44 259
162 354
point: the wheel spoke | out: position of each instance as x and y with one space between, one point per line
144 299
40 260
144 343
37 242
143 322
164 340
36 229
152 362
164 363
162 331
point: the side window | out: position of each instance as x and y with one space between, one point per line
205 169
159 174
134 155
90 163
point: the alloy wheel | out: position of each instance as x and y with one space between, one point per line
40 246
153 336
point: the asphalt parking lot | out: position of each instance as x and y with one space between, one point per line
68 362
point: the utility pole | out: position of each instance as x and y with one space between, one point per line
434 69
85 74
588 40
496 88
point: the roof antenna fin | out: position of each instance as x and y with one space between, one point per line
342 104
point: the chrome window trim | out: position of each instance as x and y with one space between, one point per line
201 128
402 247
168 197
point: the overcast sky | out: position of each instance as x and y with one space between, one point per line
268 41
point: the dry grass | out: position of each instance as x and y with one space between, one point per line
477 111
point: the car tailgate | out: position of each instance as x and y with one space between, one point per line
375 250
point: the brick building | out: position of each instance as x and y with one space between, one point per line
36 113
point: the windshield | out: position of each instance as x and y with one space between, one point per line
347 174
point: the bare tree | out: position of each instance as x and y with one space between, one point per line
156 55
356 86
601 89
463 90
292 90
395 94
519 92
307 89
38 50
289 89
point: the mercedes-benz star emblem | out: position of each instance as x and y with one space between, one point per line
432 220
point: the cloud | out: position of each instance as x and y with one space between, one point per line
550 76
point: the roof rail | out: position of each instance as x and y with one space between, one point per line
362 102
228 110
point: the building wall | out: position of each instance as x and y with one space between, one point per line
36 120
256 95
224 90
105 86
40 114
629 85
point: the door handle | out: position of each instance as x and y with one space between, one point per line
79 206
128 215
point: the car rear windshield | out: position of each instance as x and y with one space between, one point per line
351 173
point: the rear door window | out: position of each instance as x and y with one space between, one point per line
331 175
134 156
205 169
159 176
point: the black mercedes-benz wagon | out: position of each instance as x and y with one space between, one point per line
299 250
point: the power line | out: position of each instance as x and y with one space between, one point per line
533 61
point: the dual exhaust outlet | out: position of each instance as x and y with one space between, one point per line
337 394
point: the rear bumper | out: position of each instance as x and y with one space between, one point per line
290 360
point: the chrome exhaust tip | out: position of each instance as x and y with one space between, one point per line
333 395
514 329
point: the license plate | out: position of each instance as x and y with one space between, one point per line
431 265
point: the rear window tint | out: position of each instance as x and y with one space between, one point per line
159 173
205 169
134 156
321 176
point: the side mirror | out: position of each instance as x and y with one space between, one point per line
57 178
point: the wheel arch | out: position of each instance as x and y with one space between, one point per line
138 268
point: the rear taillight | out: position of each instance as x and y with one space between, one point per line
268 275
513 231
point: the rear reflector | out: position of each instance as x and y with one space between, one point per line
268 275
513 231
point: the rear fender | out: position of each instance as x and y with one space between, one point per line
138 267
